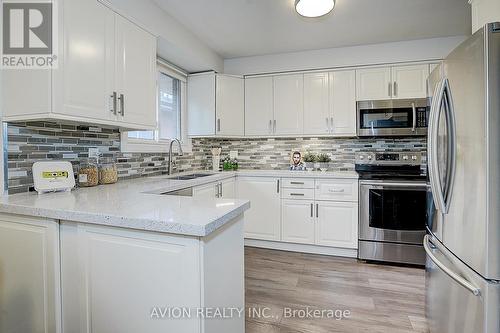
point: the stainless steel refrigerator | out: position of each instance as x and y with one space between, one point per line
463 240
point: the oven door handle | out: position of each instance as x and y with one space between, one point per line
395 184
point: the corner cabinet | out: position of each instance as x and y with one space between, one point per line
397 82
215 104
262 220
106 73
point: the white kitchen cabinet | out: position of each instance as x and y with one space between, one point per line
29 275
337 224
113 55
342 106
206 191
410 81
397 82
135 73
484 11
373 83
297 221
215 105
317 112
259 113
262 220
230 105
288 104
228 188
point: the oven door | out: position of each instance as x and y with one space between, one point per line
393 211
392 118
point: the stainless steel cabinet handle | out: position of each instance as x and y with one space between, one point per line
459 279
395 88
336 190
297 194
312 210
274 126
278 186
297 183
216 190
270 126
317 210
218 125
390 89
113 100
331 124
327 124
414 110
122 105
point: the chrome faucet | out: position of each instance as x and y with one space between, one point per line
170 154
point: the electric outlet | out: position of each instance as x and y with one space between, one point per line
93 152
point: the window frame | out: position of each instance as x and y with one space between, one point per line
157 145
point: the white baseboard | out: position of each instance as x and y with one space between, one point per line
305 248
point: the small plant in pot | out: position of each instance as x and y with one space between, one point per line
323 160
309 160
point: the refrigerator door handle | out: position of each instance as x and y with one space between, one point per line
455 276
437 102
452 146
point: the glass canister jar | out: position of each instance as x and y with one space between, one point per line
108 172
88 173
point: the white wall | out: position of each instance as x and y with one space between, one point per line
484 11
176 44
426 49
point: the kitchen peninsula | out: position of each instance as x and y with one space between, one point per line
104 259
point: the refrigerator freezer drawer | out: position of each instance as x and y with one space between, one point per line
452 307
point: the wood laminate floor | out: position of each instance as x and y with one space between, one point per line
380 298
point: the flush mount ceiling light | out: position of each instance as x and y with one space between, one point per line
314 8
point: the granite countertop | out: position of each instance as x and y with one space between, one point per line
137 203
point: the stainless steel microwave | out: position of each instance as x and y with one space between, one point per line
399 117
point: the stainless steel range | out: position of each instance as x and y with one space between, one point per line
392 208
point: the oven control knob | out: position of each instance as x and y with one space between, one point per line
414 157
405 157
369 157
361 157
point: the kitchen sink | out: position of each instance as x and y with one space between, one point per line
191 176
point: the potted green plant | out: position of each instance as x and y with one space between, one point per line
309 160
323 160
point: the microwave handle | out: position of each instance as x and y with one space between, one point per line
414 110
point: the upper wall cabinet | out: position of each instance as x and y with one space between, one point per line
330 103
106 73
288 104
215 105
259 114
398 82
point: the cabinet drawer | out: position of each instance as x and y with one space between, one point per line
298 183
337 189
299 193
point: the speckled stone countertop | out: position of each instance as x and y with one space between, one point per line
137 203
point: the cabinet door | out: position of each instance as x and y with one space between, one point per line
201 104
288 104
297 221
136 73
229 105
373 83
410 81
229 189
85 79
258 105
337 224
262 220
317 115
343 103
104 268
30 275
207 191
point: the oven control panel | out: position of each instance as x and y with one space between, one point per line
379 158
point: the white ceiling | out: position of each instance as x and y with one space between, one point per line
236 28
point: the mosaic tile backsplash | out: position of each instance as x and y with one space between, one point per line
34 141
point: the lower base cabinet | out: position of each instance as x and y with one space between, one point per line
298 221
262 220
337 224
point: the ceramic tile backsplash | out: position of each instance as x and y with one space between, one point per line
35 141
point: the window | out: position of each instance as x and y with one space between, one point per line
171 88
